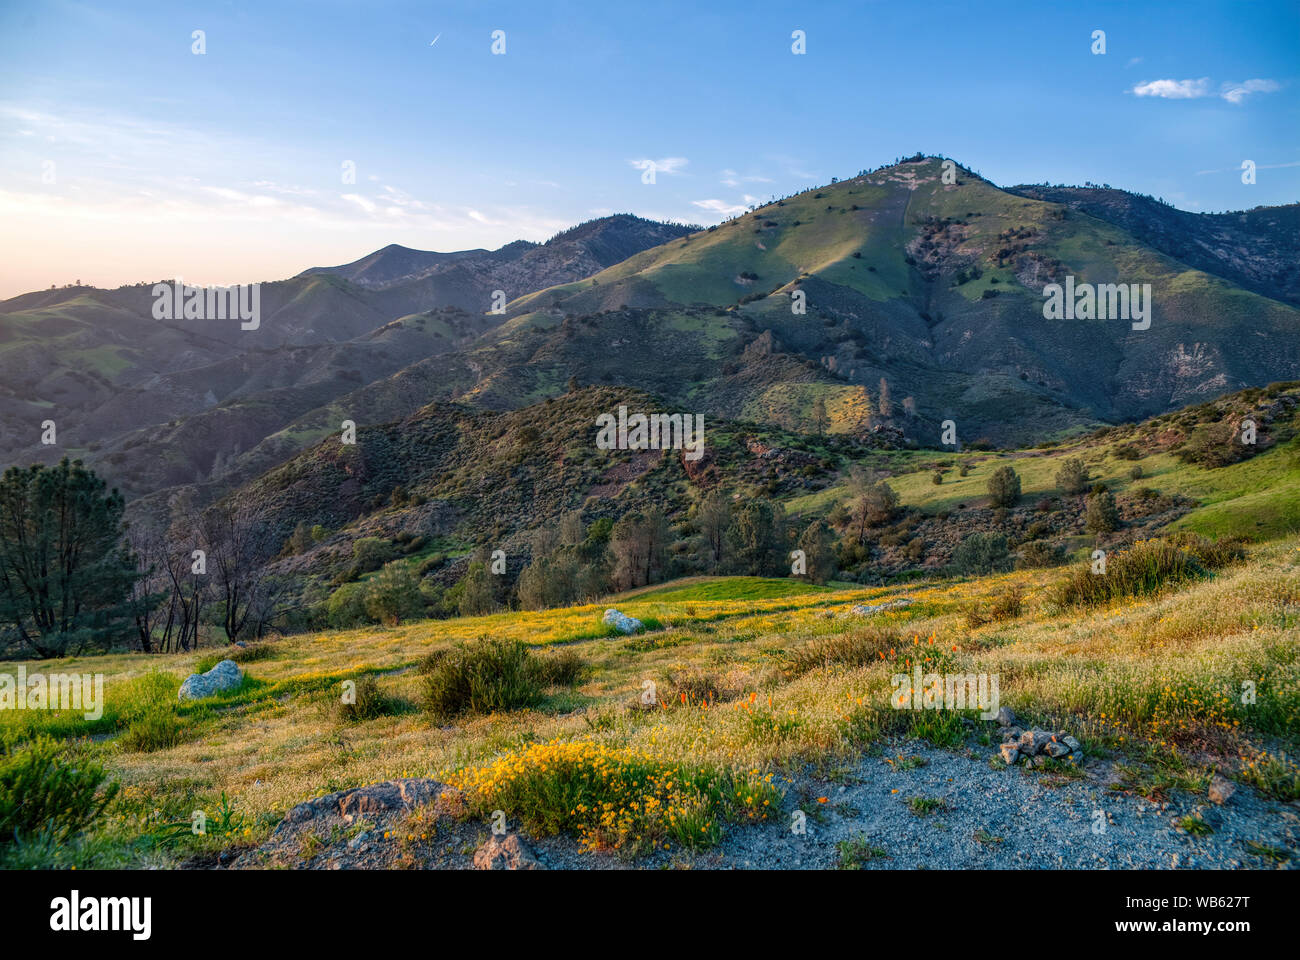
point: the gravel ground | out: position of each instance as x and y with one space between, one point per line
1024 819
984 819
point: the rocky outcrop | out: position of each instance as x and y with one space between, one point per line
376 798
622 622
224 676
506 853
866 610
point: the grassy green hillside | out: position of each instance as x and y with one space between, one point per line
915 280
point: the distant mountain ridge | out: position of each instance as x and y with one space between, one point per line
1258 249
919 300
159 403
577 252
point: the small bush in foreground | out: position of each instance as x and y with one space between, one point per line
490 675
45 792
857 851
366 702
1273 776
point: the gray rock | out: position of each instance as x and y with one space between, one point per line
375 798
1005 717
1010 753
621 622
1055 749
1072 743
1033 741
224 676
506 853
1076 756
866 610
1221 789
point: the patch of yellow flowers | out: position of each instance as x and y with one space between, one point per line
616 797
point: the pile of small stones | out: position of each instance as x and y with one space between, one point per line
1035 747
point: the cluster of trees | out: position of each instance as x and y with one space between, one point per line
578 562
721 535
75 579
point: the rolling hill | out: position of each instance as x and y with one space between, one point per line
158 403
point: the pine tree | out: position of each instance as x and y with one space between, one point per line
820 419
1004 487
818 545
65 573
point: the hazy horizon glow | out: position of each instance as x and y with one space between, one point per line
127 157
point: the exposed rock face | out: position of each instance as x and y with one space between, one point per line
866 610
375 798
506 853
622 622
224 676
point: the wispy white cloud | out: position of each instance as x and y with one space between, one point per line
1173 89
1237 92
1231 91
730 178
724 209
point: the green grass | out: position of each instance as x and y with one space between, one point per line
857 851
924 806
1257 498
725 588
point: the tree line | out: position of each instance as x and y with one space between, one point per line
76 579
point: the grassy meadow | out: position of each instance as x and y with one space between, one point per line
737 687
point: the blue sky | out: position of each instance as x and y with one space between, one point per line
124 156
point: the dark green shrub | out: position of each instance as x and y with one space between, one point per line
393 594
371 553
981 553
1073 476
45 790
490 675
346 606
1215 445
1103 515
1004 487
1041 553
365 702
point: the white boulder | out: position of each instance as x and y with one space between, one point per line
224 676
